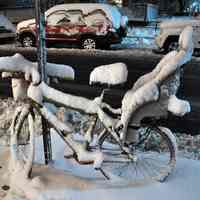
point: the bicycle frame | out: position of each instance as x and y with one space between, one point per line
92 107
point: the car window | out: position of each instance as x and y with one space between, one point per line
76 16
58 18
63 17
96 17
3 29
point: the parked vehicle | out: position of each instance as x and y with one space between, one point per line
88 25
167 39
7 30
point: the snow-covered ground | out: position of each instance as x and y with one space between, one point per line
182 185
76 182
69 180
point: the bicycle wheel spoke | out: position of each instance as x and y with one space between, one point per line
153 159
136 170
142 168
155 162
150 168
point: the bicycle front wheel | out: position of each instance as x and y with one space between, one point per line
152 157
22 132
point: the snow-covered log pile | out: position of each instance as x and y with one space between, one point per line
112 74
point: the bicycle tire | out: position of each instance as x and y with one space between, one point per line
23 136
154 159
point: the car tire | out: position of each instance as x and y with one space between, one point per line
28 40
106 46
172 45
88 43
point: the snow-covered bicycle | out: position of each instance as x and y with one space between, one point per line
131 145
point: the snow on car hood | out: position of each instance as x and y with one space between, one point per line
6 23
179 23
111 11
25 23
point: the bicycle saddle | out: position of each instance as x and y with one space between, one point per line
109 75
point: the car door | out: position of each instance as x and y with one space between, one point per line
57 26
64 25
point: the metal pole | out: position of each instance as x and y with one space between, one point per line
42 59
41 35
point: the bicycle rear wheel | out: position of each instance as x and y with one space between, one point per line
153 157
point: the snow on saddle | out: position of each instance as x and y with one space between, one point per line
110 75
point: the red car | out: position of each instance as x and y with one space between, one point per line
89 25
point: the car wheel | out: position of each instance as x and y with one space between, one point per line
173 45
89 43
28 41
105 46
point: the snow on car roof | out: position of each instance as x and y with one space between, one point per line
111 11
178 22
6 23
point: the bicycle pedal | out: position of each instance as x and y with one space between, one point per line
85 162
69 156
103 173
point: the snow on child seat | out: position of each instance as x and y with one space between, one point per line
112 74
177 106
